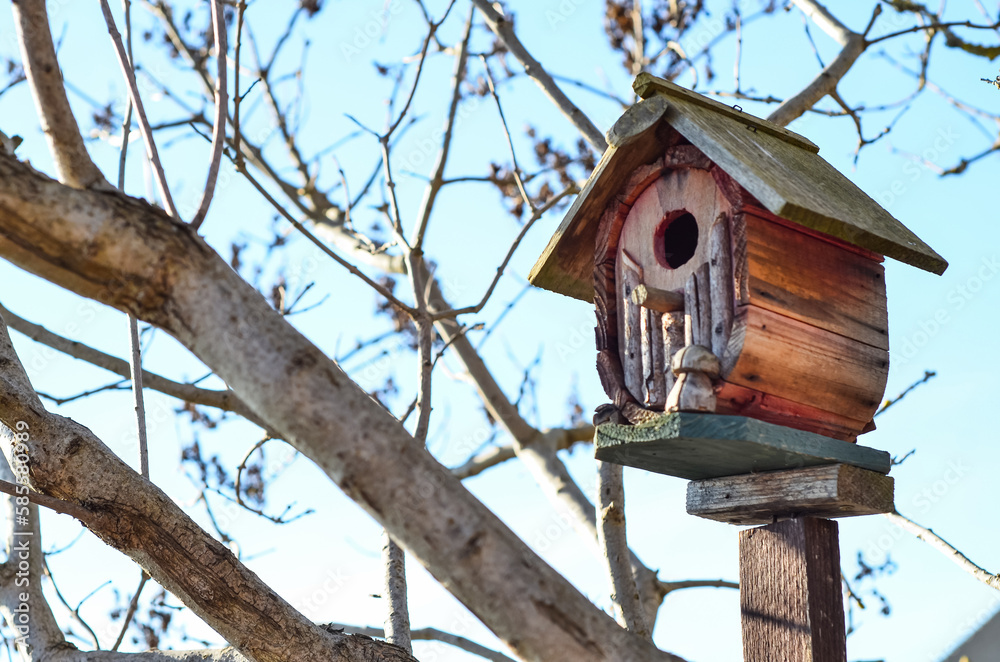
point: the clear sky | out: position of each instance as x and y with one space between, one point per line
327 563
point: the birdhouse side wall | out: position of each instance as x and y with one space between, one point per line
808 277
810 334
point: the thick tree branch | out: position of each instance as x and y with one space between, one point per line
397 617
38 57
611 534
38 629
503 28
131 514
141 261
70 655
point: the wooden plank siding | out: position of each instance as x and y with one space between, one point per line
817 282
793 360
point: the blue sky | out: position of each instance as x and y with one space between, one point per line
327 563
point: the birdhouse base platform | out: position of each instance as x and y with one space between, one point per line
832 491
745 471
697 446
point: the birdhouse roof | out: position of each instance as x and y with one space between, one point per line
780 168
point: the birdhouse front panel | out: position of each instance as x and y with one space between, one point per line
663 241
732 269
796 319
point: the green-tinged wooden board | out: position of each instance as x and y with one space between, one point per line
647 85
699 446
836 490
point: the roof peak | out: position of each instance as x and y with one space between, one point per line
647 85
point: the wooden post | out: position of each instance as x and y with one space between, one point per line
790 593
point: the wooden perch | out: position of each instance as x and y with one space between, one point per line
663 301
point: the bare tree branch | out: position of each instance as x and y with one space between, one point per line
130 612
23 544
186 290
437 178
135 374
565 438
41 68
670 587
946 548
854 45
432 634
224 400
889 402
128 512
221 112
503 28
611 535
535 215
538 452
397 617
53 504
147 133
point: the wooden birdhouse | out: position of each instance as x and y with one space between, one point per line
737 279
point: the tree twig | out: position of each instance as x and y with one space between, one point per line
889 402
52 503
516 170
130 612
224 400
940 544
135 373
536 214
221 112
144 129
854 45
437 178
430 634
237 97
565 439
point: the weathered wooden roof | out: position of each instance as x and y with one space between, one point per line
782 169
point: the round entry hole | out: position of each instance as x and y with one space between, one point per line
676 240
